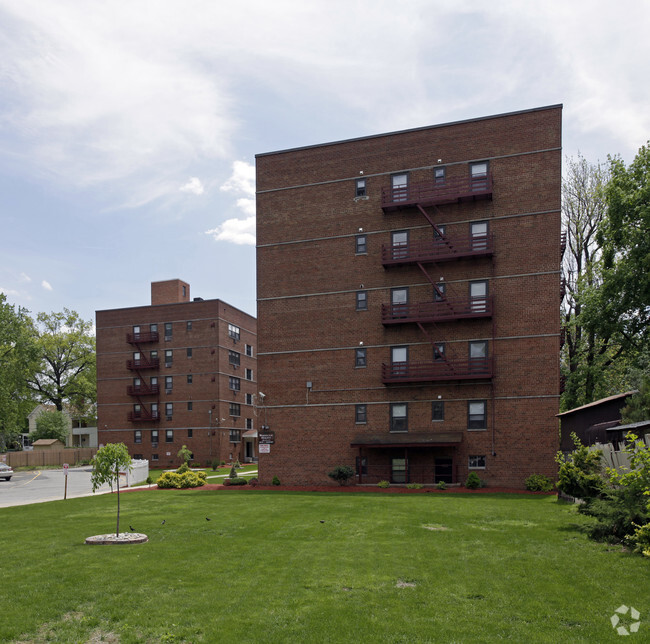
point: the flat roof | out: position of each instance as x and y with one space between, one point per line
414 129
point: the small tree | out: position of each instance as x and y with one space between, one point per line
581 473
107 464
341 474
185 454
51 424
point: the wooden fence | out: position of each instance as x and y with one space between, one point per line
40 458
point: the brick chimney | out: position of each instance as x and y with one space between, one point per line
169 292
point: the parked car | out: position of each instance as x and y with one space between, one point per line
5 472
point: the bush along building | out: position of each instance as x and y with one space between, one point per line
408 303
178 372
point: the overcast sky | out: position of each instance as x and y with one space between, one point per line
129 128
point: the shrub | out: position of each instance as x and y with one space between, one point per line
215 465
539 483
341 474
275 481
222 463
640 540
180 481
253 482
238 480
441 485
618 512
237 465
149 480
183 468
233 473
473 481
414 486
580 473
383 484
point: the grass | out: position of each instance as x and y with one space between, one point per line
314 567
247 471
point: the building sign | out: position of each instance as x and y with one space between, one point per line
266 437
264 448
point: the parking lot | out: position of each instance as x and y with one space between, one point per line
38 486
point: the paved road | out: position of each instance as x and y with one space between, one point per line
37 486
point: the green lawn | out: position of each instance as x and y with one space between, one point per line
247 471
314 567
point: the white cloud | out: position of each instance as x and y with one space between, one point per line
237 231
23 277
46 285
10 292
242 179
193 186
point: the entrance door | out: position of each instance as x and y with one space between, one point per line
250 451
398 470
444 470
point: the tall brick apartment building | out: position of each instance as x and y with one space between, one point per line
178 372
408 303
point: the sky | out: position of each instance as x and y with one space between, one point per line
129 128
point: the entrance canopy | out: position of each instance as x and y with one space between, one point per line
408 439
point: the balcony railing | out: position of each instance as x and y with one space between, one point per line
438 250
142 390
143 363
468 369
457 308
143 416
431 193
139 338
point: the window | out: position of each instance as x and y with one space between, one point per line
476 414
398 470
169 357
153 328
169 410
399 184
360 358
233 331
189 405
188 325
153 355
361 244
398 417
399 244
479 235
154 411
235 435
398 355
249 350
360 414
137 436
478 350
362 300
154 381
249 399
189 378
439 174
168 331
478 292
137 409
234 383
137 383
478 174
249 374
138 457
476 462
249 423
154 457
233 358
235 409
360 188
437 410
439 233
136 356
169 384
154 437
169 435
439 292
189 433
136 330
438 351
399 299
189 352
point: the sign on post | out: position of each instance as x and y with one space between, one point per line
65 473
264 448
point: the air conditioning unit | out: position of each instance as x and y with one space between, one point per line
169 417
168 391
168 338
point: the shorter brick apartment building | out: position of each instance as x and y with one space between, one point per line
178 372
408 303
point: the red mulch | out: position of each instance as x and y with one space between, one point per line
354 488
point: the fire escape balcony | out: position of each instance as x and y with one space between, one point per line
143 390
143 416
140 338
437 250
430 193
441 311
467 369
143 363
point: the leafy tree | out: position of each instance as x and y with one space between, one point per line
581 473
584 208
184 454
17 358
107 464
66 372
638 406
52 424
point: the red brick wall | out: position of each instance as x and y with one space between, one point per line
169 292
309 328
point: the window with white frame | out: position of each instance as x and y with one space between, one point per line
169 384
249 399
476 462
137 436
398 417
437 410
360 188
169 410
233 331
234 383
234 358
235 409
360 414
169 436
169 357
249 423
362 300
249 374
249 350
360 358
361 244
477 414
169 329
399 186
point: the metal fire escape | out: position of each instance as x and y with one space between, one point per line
143 389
